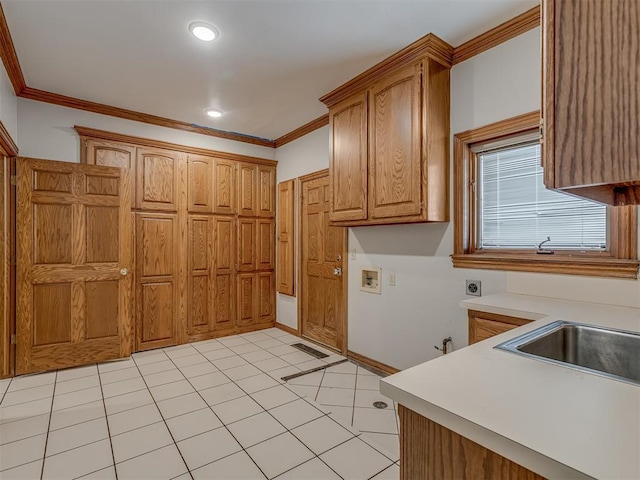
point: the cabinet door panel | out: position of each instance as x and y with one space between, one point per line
266 191
200 184
395 145
157 236
247 295
157 179
247 190
224 186
349 166
265 244
266 297
246 244
200 274
109 154
224 311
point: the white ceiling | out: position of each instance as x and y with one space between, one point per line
272 62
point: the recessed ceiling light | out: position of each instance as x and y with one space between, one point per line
212 112
204 31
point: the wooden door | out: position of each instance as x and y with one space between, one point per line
247 190
200 184
286 237
323 266
266 191
7 265
349 165
395 160
200 274
247 240
157 276
158 179
74 253
224 279
224 187
265 244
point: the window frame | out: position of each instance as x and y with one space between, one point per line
619 261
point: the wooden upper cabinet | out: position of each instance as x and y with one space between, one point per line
247 189
158 179
266 191
591 104
395 140
200 184
389 130
224 186
348 171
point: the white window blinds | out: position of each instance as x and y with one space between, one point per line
516 210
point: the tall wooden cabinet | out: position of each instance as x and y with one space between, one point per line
591 99
204 238
390 139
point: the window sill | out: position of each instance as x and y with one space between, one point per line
557 263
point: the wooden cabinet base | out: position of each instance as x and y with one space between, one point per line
233 331
430 451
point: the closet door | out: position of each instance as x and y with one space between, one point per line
247 189
265 244
157 293
224 278
246 244
200 276
224 186
266 191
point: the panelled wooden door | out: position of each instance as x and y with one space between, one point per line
395 166
74 256
109 154
266 191
247 244
158 281
224 277
224 186
323 250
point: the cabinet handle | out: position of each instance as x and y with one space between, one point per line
124 272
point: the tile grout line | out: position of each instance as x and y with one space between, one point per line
7 389
106 419
223 424
46 442
161 416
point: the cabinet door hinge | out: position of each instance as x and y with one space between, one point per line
14 180
13 339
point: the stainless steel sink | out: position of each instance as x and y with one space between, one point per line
602 351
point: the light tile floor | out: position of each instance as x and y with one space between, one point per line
209 410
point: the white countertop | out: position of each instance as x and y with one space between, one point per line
557 421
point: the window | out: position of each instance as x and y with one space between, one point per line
506 219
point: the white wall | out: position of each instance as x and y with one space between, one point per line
46 131
8 105
401 326
305 155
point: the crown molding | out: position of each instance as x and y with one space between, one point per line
7 146
70 102
502 33
302 131
9 56
429 45
148 142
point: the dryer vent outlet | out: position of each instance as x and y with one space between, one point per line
473 288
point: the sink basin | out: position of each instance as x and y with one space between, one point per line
602 351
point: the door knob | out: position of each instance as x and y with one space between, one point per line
124 272
337 271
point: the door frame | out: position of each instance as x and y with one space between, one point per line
345 266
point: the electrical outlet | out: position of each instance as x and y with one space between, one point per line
474 288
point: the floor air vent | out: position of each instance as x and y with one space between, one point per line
311 351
